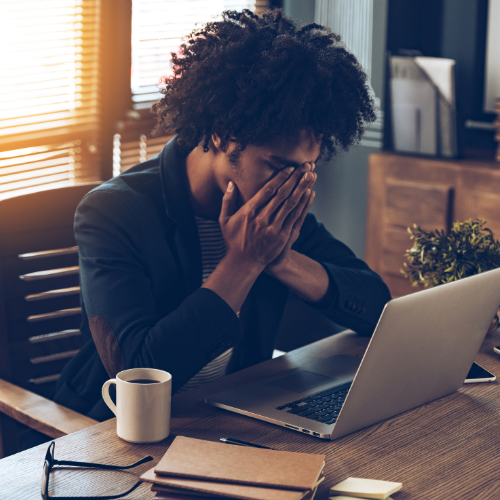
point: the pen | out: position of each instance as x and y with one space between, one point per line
229 440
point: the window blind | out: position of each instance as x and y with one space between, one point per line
127 151
158 28
49 94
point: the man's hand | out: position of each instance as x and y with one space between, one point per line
258 232
262 228
272 266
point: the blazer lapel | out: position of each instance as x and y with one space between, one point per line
179 210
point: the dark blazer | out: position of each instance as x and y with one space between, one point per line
142 305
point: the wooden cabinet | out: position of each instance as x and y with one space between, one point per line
433 193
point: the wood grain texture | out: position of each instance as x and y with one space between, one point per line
446 449
414 203
40 413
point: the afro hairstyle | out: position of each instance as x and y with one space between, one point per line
252 79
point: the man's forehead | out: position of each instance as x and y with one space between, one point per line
294 151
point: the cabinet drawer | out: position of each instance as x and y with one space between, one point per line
409 203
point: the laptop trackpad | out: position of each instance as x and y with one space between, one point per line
300 381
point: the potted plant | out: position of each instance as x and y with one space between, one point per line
436 257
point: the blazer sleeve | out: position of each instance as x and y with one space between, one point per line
119 301
358 294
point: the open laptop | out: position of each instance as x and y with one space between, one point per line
422 349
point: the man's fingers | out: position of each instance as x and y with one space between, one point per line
270 189
296 218
291 190
291 202
228 203
305 211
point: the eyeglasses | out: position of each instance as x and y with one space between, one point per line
50 461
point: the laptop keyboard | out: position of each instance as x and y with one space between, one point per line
322 407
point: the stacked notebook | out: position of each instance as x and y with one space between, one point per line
194 469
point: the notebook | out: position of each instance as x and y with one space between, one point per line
207 460
162 494
174 485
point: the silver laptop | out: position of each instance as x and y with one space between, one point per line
422 349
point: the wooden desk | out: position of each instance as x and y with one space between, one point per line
447 449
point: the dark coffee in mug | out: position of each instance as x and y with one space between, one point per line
142 406
143 381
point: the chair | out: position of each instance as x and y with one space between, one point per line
39 314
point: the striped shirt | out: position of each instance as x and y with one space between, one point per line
212 250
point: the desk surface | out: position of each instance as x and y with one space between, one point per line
447 449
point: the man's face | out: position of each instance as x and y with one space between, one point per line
257 164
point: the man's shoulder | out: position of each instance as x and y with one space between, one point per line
140 184
136 180
132 201
134 186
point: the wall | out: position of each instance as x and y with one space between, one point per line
302 11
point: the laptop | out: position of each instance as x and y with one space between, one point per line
422 349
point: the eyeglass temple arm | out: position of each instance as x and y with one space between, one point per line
102 466
100 498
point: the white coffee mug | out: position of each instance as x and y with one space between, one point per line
143 398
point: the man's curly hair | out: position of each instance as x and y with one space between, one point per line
252 79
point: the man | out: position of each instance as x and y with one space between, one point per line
187 260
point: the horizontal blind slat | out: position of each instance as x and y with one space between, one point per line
35 106
31 170
20 187
63 127
85 32
83 68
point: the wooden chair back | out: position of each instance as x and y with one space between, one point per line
40 310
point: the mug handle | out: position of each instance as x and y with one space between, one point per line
106 396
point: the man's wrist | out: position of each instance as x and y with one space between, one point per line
248 268
304 276
232 279
280 265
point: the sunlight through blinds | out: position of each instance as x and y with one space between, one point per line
158 28
48 93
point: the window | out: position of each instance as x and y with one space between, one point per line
67 109
158 28
48 93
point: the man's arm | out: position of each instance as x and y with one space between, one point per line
117 288
302 275
324 272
